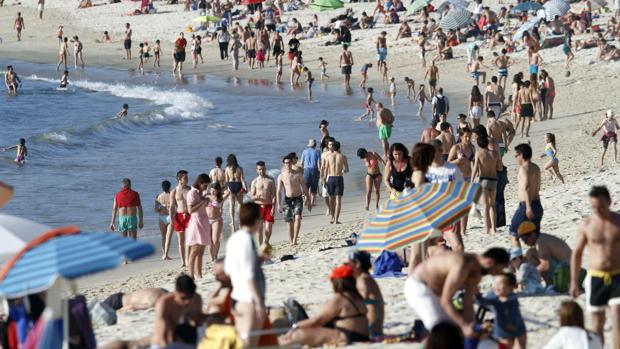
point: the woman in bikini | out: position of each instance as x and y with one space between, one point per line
398 170
214 211
373 174
341 321
62 54
548 86
552 166
476 101
235 181
421 97
162 208
462 154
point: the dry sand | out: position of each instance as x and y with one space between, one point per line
580 104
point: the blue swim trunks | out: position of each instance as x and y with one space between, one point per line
382 54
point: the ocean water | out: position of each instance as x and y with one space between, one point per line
78 151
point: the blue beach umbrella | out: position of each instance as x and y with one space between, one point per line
527 26
526 7
69 254
418 215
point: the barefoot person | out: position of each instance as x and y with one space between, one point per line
334 167
19 25
486 165
77 52
311 163
346 63
294 191
368 288
235 182
263 193
528 178
551 151
179 215
138 300
178 54
127 41
373 174
609 126
432 284
162 208
524 102
385 121
198 229
600 233
62 54
215 211
128 209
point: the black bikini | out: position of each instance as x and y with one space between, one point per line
401 179
352 336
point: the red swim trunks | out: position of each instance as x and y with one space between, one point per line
265 212
181 220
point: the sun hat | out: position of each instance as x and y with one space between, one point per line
526 227
341 272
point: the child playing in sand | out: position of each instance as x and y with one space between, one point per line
529 280
123 113
364 72
421 97
156 53
551 151
392 90
21 153
323 67
368 105
508 325
609 126
410 87
64 80
309 81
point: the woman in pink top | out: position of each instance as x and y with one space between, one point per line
198 233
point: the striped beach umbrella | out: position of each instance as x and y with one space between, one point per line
416 6
326 5
527 26
555 8
418 215
527 7
16 233
455 19
69 254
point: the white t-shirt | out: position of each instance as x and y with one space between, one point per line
574 338
239 264
446 173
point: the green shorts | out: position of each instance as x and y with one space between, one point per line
127 223
385 132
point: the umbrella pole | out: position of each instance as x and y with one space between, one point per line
65 313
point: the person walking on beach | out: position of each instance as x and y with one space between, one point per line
486 165
178 54
421 97
40 8
294 192
524 102
128 209
198 229
381 46
385 121
368 105
19 25
62 54
243 266
551 151
263 193
432 76
217 174
609 126
127 41
346 63
600 233
157 54
373 174
235 182
162 208
440 104
311 163
494 97
334 167
179 213
432 284
77 52
528 178
503 62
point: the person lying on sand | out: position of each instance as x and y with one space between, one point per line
138 300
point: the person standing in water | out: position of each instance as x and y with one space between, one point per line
123 113
385 121
62 54
346 63
77 52
11 80
21 151
64 80
235 181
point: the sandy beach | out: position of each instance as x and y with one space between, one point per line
581 102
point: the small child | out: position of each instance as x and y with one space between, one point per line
309 81
508 325
21 153
278 72
123 113
392 90
421 97
385 72
147 51
64 80
364 72
368 105
410 87
141 57
323 67
572 333
552 166
528 277
156 53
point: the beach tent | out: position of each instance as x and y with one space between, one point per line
417 215
455 19
16 233
555 8
416 6
326 5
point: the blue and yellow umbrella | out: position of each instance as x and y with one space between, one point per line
418 215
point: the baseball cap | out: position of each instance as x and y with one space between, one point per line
610 113
526 227
311 142
515 252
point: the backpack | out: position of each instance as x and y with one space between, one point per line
440 107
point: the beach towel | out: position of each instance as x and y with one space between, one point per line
388 264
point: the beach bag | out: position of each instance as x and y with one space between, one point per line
387 264
102 315
294 311
440 107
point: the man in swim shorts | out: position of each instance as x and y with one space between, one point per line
346 63
432 74
294 191
535 60
179 53
127 41
503 62
431 285
600 233
311 162
494 97
385 121
263 193
381 46
334 167
179 214
129 209
528 177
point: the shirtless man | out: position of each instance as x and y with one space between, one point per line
179 215
503 62
127 41
446 138
334 167
294 191
77 52
601 234
528 179
219 309
263 193
535 61
475 68
430 133
368 288
486 164
498 132
432 284
183 305
250 49
525 101
432 76
138 300
385 121
11 80
128 207
346 63
381 46
217 174
19 25
494 97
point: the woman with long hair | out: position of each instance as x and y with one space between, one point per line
198 231
373 174
551 151
235 181
476 101
547 94
398 170
214 212
462 155
162 208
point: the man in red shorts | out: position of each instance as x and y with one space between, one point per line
263 192
179 216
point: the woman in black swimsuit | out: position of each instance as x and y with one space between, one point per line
342 320
398 170
233 175
373 174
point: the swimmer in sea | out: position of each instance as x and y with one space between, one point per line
123 113
64 79
21 153
11 80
